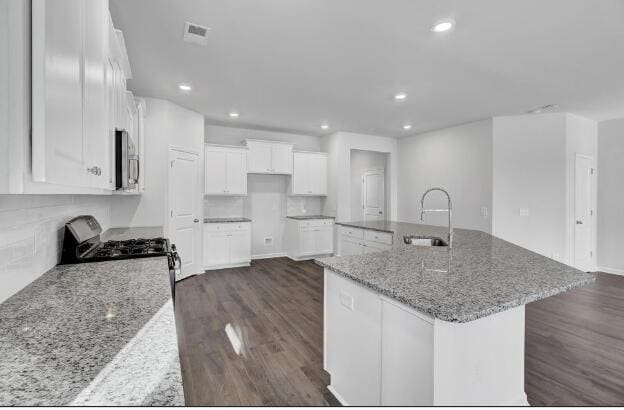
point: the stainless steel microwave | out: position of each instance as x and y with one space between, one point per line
126 161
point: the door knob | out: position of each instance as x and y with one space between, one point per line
196 221
579 222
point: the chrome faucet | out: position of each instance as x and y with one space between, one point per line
449 209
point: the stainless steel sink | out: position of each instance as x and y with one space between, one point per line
424 241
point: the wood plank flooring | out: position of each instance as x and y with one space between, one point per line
275 309
574 341
575 346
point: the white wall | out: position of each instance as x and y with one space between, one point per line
534 158
611 196
216 134
339 146
529 172
267 202
31 233
363 160
458 159
165 124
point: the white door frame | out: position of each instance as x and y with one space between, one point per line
199 237
593 216
363 172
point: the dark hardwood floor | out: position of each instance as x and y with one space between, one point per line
574 341
275 309
575 346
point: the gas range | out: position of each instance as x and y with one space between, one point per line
131 248
82 244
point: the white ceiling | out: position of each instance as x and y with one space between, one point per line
290 64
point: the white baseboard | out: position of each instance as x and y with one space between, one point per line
614 271
337 396
226 266
269 255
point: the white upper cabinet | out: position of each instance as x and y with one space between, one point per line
309 174
96 125
57 134
268 157
78 94
225 170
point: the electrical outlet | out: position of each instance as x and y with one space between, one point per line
524 212
268 241
556 256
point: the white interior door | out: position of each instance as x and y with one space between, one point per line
583 213
185 229
373 197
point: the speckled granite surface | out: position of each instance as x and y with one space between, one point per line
225 220
307 217
96 333
483 275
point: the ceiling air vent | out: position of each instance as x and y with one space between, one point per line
196 34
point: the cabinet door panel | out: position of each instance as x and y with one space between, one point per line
307 241
96 129
324 240
216 248
57 134
301 174
407 358
350 247
215 169
259 157
353 340
318 169
236 173
240 247
281 158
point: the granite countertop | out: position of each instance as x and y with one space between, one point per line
307 217
481 276
225 220
92 334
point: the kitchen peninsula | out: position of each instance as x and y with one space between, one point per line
421 325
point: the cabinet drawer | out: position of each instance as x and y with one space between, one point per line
353 232
227 227
381 237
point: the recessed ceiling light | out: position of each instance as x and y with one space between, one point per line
325 126
400 96
185 87
407 127
233 114
443 25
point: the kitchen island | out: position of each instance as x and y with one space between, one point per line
417 325
92 334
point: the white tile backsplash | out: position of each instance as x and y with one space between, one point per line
223 207
31 233
303 205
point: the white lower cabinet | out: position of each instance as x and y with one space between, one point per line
308 238
227 245
352 341
376 351
406 357
355 241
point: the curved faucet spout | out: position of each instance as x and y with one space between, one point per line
449 209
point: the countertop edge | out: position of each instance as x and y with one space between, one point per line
365 227
465 317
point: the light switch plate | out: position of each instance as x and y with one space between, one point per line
484 211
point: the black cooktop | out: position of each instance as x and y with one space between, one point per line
131 248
